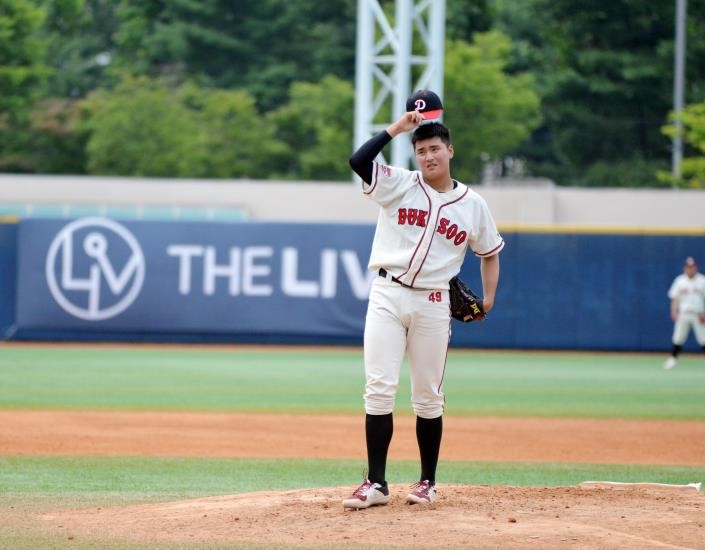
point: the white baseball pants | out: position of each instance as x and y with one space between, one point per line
401 319
682 327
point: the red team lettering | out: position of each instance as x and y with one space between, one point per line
414 216
451 232
411 216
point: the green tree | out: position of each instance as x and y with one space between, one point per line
21 54
489 110
316 125
692 131
21 74
466 17
75 44
604 72
259 46
57 142
79 34
146 128
235 141
140 129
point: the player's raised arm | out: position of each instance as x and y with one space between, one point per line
361 160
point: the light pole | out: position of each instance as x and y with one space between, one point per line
678 86
389 67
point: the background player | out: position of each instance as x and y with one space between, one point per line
687 294
426 223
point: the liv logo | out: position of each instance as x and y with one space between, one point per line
94 268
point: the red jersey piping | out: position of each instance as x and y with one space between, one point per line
374 179
501 243
430 206
438 214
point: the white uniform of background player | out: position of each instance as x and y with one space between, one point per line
687 294
426 223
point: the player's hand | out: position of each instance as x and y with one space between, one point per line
406 123
674 316
701 316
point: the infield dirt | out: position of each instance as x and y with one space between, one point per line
462 517
592 441
624 517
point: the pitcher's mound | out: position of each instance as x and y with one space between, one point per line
619 517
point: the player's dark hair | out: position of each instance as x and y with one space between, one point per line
431 130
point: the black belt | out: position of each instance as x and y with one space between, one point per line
383 273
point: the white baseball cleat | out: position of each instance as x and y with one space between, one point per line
424 492
670 363
366 495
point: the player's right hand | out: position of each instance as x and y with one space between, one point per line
407 122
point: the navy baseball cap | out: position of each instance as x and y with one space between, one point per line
425 102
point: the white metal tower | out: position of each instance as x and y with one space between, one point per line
389 56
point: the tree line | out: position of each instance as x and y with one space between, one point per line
577 92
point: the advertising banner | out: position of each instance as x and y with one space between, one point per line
97 274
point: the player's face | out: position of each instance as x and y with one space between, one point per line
690 270
433 157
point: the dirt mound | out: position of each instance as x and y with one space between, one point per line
624 517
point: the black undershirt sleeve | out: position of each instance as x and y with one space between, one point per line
361 160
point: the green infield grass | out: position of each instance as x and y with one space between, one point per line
330 380
57 482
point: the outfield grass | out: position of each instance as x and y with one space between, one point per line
331 381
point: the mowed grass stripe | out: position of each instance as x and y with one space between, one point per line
330 381
41 481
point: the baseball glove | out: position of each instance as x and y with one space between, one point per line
465 305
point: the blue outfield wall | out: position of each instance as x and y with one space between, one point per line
584 291
8 277
97 279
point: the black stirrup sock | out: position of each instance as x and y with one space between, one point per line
378 432
428 433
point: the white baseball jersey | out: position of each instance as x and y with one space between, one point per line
690 293
422 235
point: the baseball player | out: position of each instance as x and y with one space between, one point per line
427 221
687 294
